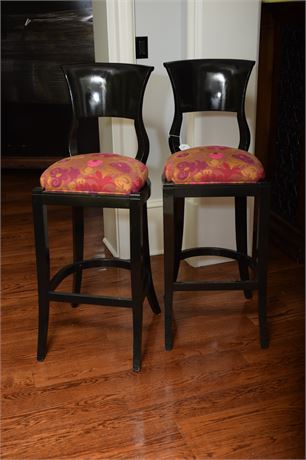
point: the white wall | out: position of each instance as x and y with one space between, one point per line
166 41
228 29
102 55
114 32
164 23
179 29
222 29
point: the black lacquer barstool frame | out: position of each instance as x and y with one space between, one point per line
173 255
139 261
194 92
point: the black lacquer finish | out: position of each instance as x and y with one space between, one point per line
38 37
109 90
214 85
209 85
99 90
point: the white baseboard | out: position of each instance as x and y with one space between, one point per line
117 228
110 247
206 226
155 221
213 224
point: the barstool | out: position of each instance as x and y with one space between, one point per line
104 180
214 171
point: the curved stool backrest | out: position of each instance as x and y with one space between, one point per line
108 90
209 85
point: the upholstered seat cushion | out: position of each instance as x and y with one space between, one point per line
213 164
95 173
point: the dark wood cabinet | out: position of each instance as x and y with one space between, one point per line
280 133
37 38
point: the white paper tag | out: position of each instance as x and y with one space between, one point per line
184 147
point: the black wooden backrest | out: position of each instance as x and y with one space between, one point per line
108 90
209 85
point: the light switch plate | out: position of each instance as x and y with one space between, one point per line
141 47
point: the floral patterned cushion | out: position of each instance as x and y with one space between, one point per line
213 164
95 173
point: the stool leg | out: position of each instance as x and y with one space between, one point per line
179 211
43 272
169 263
241 238
151 294
137 278
262 251
78 246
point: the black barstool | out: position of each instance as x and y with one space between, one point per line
103 180
214 171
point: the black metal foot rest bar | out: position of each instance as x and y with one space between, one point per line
214 285
233 285
90 263
78 298
219 252
90 299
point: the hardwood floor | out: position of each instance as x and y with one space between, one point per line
215 395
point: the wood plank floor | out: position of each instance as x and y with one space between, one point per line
215 395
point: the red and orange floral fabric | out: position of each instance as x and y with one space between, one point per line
95 173
213 164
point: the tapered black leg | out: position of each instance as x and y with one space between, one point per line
255 223
263 237
241 238
179 211
43 270
151 294
78 246
169 268
137 278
